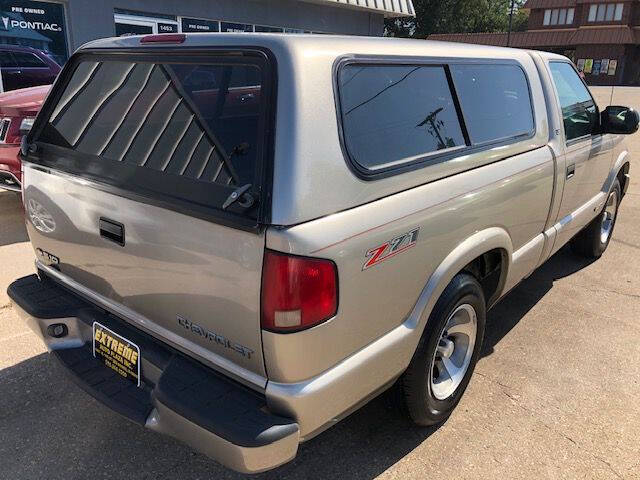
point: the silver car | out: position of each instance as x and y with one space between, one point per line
240 239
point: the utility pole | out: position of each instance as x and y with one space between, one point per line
513 2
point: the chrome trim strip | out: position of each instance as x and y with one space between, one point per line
217 362
12 188
5 125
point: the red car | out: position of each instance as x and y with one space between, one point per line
18 109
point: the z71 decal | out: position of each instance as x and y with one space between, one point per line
388 249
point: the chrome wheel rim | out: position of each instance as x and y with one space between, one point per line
453 354
608 217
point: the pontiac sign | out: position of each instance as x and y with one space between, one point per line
35 24
10 23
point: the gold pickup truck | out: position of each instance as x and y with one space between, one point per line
240 239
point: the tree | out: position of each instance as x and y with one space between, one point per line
457 16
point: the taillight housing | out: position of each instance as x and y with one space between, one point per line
297 292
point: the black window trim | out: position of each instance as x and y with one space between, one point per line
421 161
592 102
264 158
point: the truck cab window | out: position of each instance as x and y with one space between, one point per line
579 111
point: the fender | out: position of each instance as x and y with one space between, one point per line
622 162
467 251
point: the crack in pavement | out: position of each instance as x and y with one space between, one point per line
552 429
607 290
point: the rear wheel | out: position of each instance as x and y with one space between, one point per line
594 239
447 353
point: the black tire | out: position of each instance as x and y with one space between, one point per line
416 386
589 242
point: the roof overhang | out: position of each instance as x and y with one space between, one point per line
620 35
389 8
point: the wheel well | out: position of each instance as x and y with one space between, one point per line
488 269
622 177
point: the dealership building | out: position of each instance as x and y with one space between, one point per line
602 37
60 27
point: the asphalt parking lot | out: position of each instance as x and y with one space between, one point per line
554 396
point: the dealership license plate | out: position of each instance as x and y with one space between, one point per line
116 352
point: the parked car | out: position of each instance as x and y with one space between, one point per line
241 277
24 67
18 110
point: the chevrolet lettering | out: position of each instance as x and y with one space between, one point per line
214 337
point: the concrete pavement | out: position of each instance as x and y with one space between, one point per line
554 396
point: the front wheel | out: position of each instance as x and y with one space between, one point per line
594 239
446 356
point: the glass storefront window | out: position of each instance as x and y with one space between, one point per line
198 25
235 27
40 25
264 28
127 24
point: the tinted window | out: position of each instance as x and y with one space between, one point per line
6 59
495 101
579 113
178 120
28 60
396 113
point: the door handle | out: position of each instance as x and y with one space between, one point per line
112 231
571 170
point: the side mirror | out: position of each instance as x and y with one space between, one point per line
26 148
620 120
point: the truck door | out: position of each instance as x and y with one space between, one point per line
586 150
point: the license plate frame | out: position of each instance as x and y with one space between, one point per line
118 359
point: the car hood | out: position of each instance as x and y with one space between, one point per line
23 102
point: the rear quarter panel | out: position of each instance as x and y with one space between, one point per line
512 195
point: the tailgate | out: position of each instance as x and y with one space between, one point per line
146 188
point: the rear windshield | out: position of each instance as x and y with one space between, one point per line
179 127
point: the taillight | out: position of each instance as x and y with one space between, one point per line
297 292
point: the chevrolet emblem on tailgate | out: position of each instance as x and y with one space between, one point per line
213 337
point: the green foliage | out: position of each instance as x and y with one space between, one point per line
458 16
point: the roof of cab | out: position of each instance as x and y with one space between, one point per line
337 44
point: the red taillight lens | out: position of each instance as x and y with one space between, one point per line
297 292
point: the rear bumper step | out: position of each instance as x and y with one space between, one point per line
177 397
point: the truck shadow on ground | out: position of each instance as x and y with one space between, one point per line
48 425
